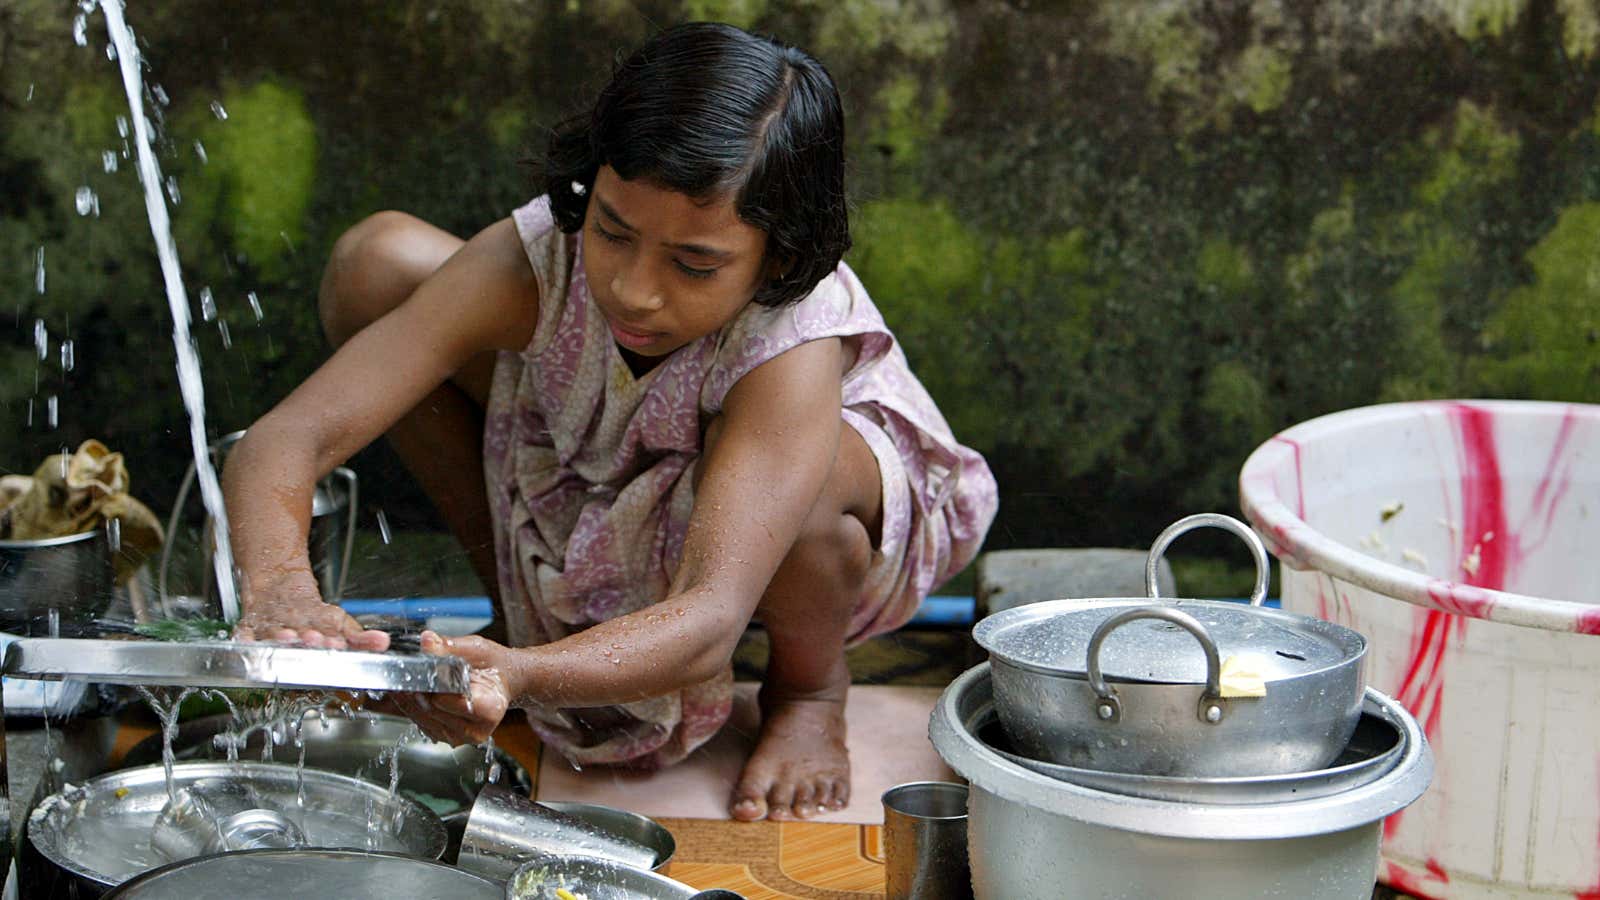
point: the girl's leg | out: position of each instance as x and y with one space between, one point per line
374 267
800 766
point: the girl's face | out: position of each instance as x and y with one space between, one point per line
664 268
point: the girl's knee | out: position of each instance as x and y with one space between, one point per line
834 548
371 270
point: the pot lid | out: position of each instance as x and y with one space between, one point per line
1054 637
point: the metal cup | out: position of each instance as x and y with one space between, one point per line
925 841
505 829
214 816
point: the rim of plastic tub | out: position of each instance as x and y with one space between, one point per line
1301 546
1363 805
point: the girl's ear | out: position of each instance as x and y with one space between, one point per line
779 267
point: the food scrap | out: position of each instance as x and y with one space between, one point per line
1391 509
1414 556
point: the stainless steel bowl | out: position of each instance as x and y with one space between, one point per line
443 778
98 833
73 575
308 875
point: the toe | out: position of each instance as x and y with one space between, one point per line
780 801
841 793
750 798
805 799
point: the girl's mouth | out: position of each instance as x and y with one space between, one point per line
631 339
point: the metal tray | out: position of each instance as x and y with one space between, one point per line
219 664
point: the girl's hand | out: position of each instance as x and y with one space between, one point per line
471 719
288 608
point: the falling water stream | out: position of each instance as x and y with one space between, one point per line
189 382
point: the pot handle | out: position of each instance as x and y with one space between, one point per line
1108 708
1214 520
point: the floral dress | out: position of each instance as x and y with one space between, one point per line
590 475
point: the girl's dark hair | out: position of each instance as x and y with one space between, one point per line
711 110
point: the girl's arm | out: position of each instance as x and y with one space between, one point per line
483 298
780 431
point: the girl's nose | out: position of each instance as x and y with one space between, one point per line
635 289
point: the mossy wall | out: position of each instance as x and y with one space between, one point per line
1123 243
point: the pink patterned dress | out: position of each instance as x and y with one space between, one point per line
590 474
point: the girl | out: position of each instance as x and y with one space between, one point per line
685 410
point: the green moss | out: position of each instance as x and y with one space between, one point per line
743 13
909 118
1224 268
910 252
261 170
1473 19
1545 339
1471 153
1580 30
1262 77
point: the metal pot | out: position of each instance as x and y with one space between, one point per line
94 836
1032 836
330 541
309 874
73 575
1137 685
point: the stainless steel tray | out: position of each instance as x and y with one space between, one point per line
218 664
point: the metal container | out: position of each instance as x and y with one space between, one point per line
1137 685
1030 834
1374 749
925 842
596 879
215 816
308 875
98 834
443 778
330 539
73 575
506 829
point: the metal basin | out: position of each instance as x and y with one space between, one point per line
73 575
97 835
1030 834
443 778
308 874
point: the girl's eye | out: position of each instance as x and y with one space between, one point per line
613 238
692 272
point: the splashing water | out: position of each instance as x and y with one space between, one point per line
189 381
383 527
41 340
255 305
67 359
166 706
38 271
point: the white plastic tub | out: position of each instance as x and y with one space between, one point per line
1463 539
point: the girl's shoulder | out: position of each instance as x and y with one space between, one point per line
552 254
837 307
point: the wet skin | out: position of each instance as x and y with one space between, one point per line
787 499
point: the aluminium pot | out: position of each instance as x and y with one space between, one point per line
1033 836
1144 686
307 875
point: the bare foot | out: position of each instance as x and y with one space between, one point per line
800 766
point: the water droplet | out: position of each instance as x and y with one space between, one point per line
383 527
67 360
172 190
54 621
38 272
111 52
108 160
114 534
200 151
52 411
80 30
218 111
84 200
41 339
255 304
227 338
208 304
160 93
29 98
122 125
30 412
